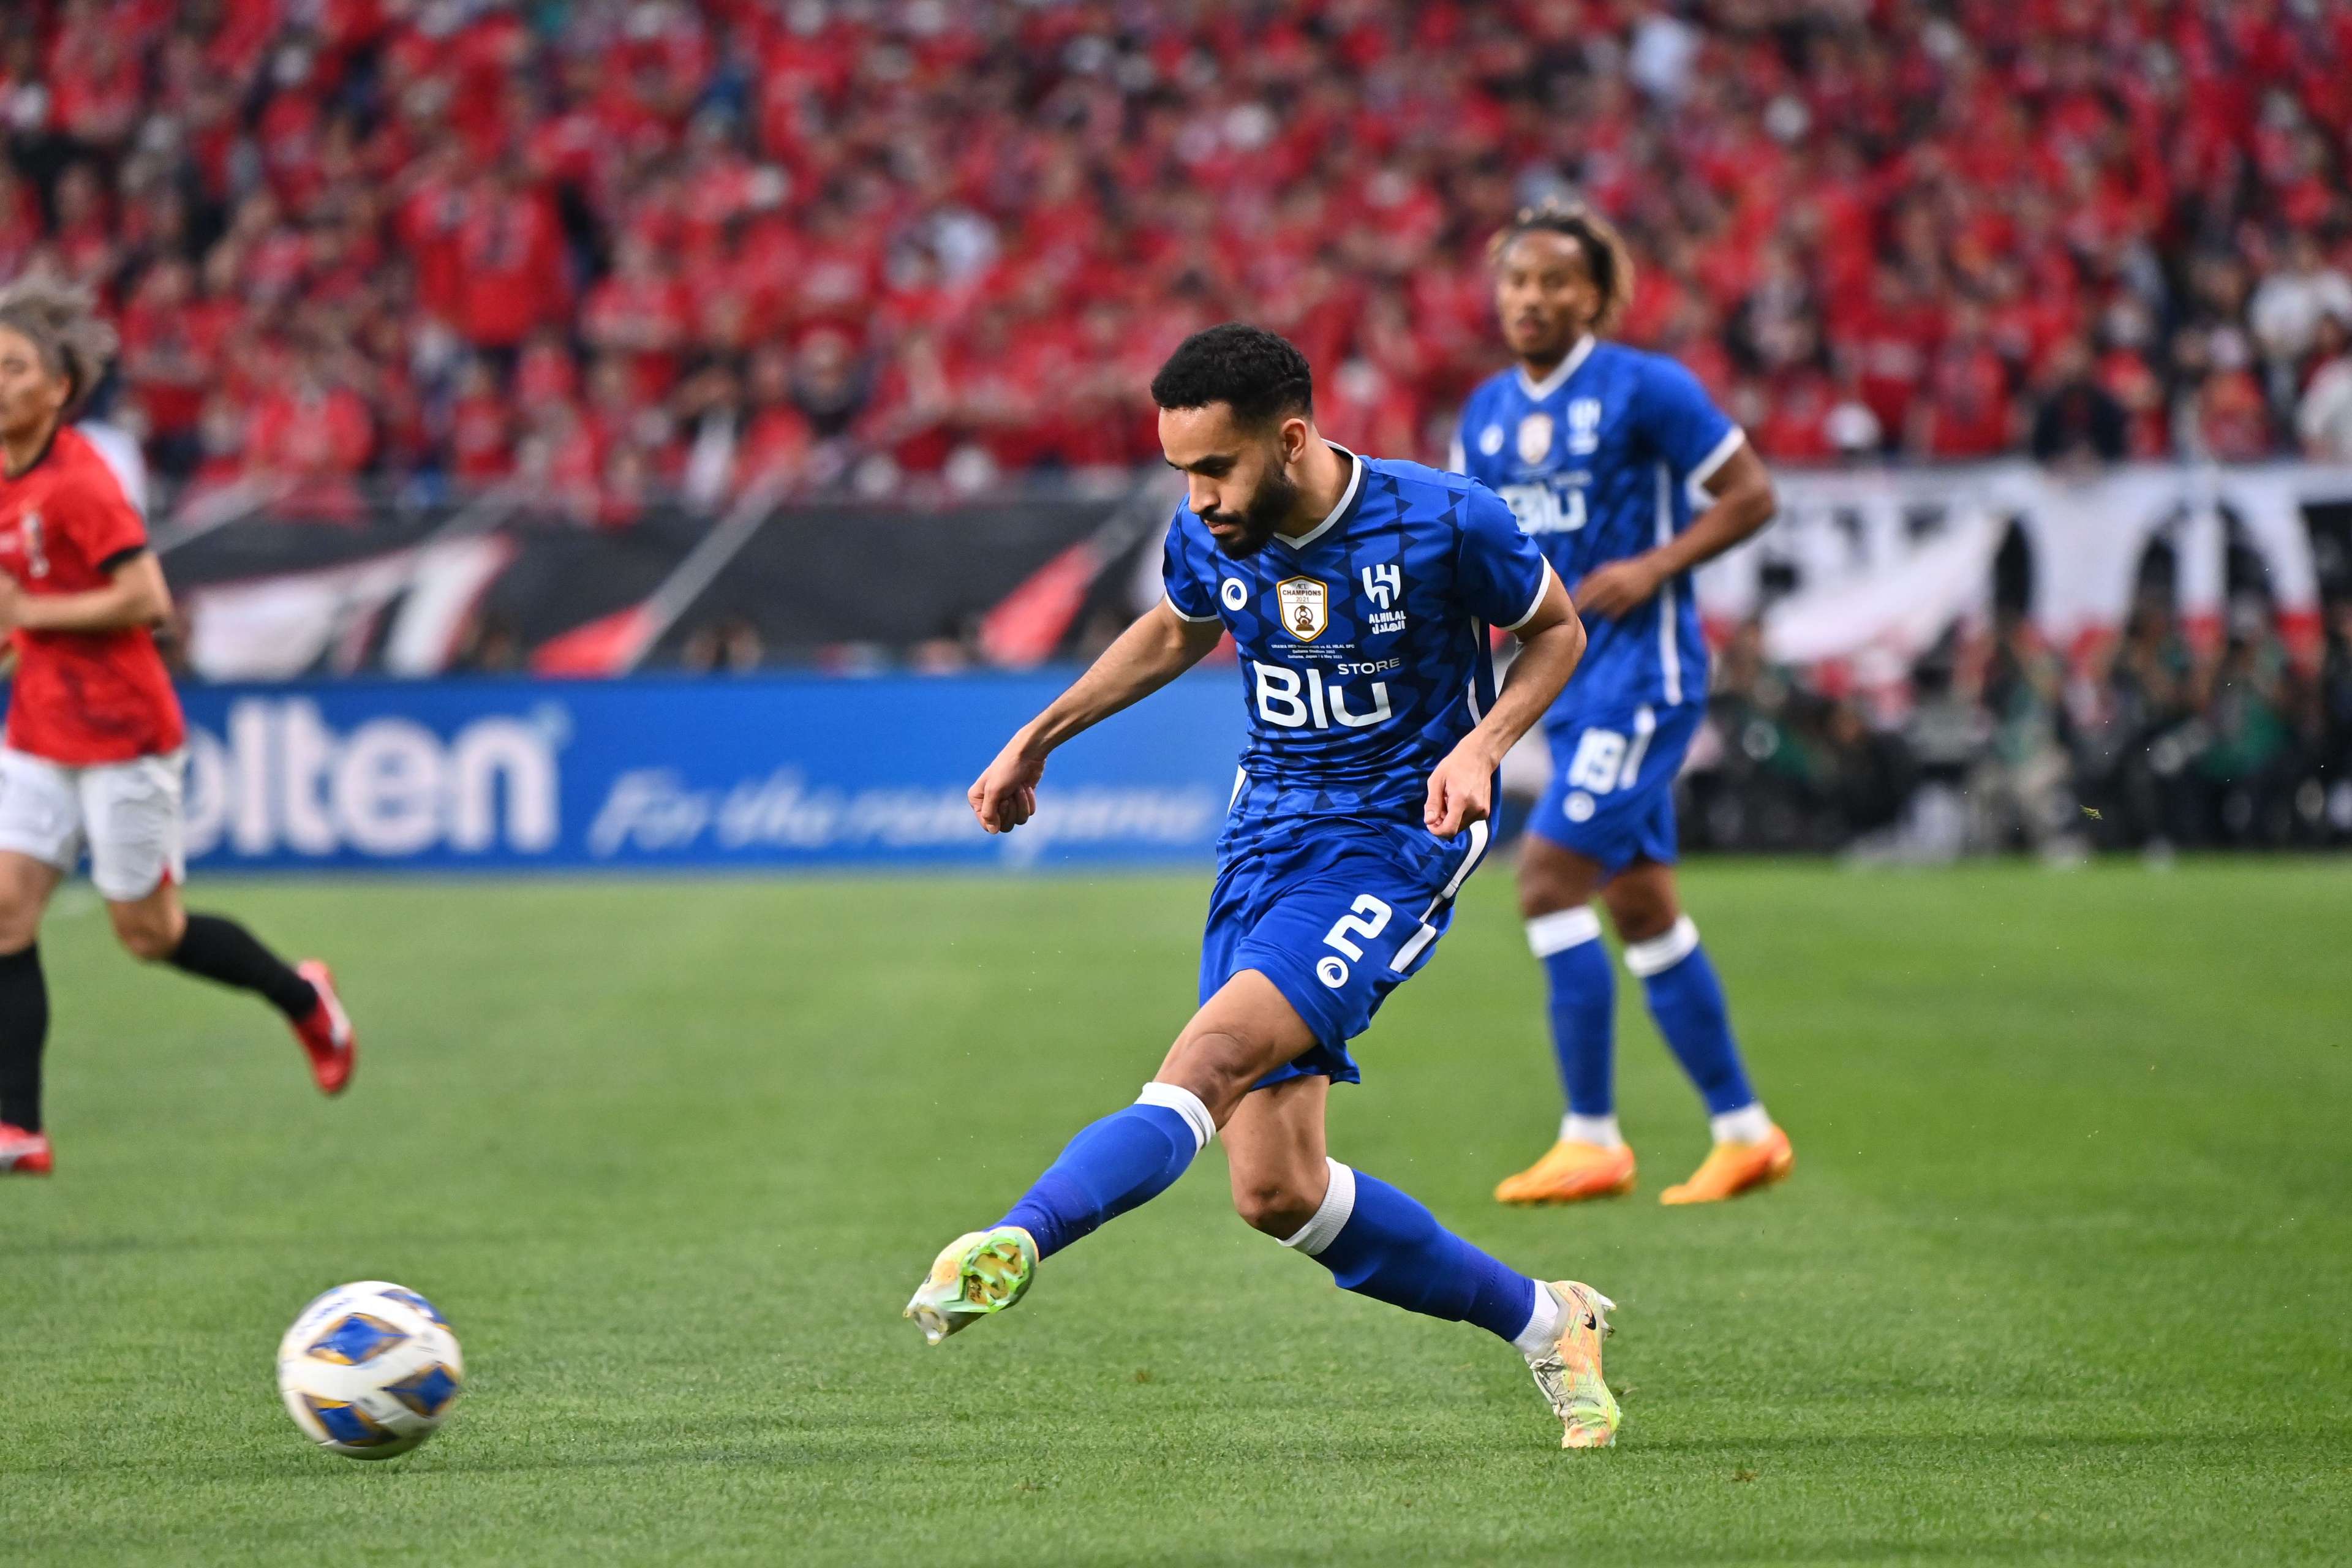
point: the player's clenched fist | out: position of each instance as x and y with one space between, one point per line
1005 794
1461 791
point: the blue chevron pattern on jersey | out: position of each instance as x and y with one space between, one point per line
1363 644
1596 462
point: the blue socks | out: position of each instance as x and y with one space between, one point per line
1381 1243
1128 1158
1583 1007
1375 1239
1686 1000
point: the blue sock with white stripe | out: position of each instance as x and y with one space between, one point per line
1126 1159
1382 1243
1583 1019
1686 1000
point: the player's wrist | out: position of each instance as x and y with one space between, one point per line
1484 750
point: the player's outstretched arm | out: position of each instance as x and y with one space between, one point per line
1160 646
1742 489
1461 787
135 595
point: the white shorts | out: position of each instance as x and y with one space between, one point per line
127 814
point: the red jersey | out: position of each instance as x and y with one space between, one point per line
81 698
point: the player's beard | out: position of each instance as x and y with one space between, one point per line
1277 496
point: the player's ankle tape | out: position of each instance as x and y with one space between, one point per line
1175 1096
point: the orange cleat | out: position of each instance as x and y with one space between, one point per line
326 1035
1570 1174
1731 1169
23 1153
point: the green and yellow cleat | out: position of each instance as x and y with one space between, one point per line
981 1272
1569 1372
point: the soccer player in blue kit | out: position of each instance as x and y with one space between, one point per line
1357 591
1594 446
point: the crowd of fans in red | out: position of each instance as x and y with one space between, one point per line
613 248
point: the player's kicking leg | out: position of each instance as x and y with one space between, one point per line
1126 1159
1375 1239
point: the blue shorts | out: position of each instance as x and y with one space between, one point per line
1612 797
1337 919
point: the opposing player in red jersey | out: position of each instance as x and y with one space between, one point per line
92 757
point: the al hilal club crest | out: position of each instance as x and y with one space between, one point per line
1306 606
1535 438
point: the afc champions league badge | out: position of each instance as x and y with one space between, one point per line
1534 438
1305 605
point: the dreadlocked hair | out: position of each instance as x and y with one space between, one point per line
1605 253
62 323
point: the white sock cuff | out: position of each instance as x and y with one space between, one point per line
1561 930
1749 1124
1175 1096
1542 1331
1601 1131
1331 1215
1660 954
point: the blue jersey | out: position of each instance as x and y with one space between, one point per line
1596 460
1363 645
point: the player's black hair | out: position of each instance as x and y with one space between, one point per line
1261 375
1605 252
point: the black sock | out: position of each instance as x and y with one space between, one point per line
23 1029
219 949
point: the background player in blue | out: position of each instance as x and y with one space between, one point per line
1357 592
1594 446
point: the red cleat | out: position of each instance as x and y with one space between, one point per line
326 1035
23 1153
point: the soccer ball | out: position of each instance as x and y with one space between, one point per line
369 1370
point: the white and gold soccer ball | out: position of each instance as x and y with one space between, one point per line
369 1370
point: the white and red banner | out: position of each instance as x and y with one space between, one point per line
1865 567
1879 563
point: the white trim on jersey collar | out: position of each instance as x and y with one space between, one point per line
1355 482
1539 390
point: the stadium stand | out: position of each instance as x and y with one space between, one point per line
618 246
627 262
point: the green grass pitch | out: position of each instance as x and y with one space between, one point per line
2064 1274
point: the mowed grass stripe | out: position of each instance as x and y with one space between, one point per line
2061 1276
